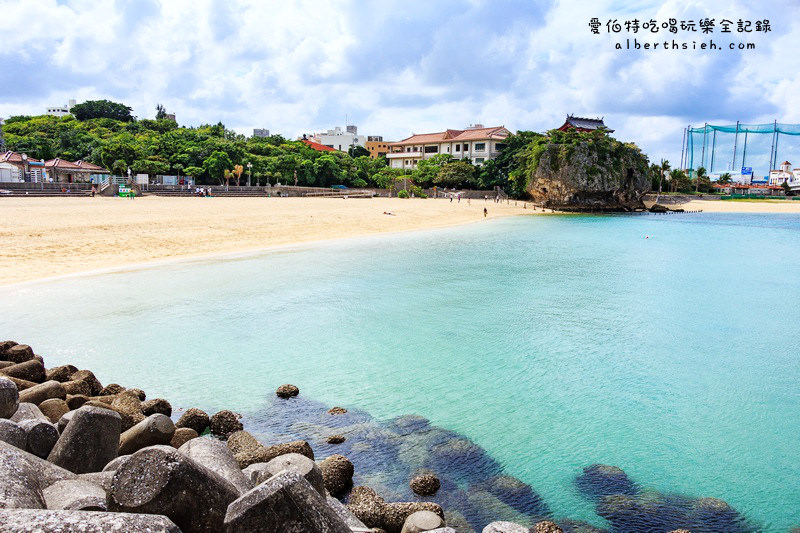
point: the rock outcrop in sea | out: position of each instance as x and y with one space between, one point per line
592 172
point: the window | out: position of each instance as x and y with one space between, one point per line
499 146
465 147
480 147
431 149
479 160
408 148
458 148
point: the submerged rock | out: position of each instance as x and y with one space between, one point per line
600 480
425 484
287 391
337 474
224 423
194 419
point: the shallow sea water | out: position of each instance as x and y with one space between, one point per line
553 343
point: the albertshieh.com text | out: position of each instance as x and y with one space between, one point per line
635 44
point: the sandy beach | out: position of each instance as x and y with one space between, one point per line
46 237
748 206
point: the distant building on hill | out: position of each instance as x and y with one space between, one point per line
475 142
2 140
584 124
61 111
260 132
339 139
377 146
317 146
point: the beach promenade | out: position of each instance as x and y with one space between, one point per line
46 237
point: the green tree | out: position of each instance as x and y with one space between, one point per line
150 167
357 151
456 174
427 169
119 167
194 172
387 177
102 109
327 171
216 164
724 178
161 113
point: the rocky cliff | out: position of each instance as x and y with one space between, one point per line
587 172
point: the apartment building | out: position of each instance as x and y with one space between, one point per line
476 142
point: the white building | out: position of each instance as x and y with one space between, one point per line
784 174
260 132
475 142
339 139
62 111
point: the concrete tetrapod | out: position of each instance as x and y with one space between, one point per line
23 476
153 430
41 436
161 480
217 457
75 495
89 442
84 521
42 392
422 521
9 398
285 502
11 433
295 463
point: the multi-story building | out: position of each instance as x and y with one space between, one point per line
377 146
477 143
62 111
784 174
339 139
260 132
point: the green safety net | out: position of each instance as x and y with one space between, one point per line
729 148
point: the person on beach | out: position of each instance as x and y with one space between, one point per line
451 198
94 191
485 212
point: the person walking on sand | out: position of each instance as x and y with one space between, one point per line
485 212
94 191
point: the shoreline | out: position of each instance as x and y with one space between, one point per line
183 229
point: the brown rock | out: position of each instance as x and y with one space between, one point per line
287 391
224 423
337 411
54 409
337 474
375 512
546 526
4 346
61 373
42 392
248 450
21 384
182 436
75 401
194 419
139 393
31 370
77 387
157 405
335 439
88 377
425 484
129 407
19 353
111 389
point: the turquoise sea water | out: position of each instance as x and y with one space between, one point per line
553 342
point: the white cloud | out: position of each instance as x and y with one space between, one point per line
397 67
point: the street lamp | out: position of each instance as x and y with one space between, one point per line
249 172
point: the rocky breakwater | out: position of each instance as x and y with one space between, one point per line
78 456
586 172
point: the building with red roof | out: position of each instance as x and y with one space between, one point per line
318 147
71 172
16 167
475 142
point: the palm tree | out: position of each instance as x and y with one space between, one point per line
227 175
724 179
662 169
237 171
701 173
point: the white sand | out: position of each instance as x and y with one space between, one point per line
743 206
45 237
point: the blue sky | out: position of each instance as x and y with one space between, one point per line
397 67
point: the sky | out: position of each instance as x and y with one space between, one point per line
394 68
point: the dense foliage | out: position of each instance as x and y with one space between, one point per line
162 147
102 109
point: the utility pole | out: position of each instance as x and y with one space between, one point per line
249 173
683 146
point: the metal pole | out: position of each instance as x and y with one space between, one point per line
713 147
683 147
772 148
775 160
744 149
735 141
703 153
